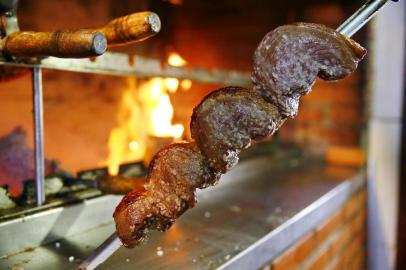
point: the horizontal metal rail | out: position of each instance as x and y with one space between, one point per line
124 65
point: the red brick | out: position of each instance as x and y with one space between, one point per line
327 14
336 93
329 226
345 115
345 136
349 156
351 207
346 256
363 196
342 240
286 261
321 261
310 115
335 264
356 247
364 259
305 247
358 223
338 172
357 262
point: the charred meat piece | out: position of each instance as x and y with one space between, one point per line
288 60
175 173
116 184
227 120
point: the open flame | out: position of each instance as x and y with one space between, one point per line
158 109
127 140
145 110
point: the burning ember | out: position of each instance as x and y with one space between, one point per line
145 111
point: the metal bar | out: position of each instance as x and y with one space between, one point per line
361 17
101 253
38 135
120 64
60 222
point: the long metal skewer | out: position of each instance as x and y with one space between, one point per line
348 28
101 253
38 135
361 17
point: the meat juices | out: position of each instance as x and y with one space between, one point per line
286 64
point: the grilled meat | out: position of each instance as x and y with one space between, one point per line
288 60
286 64
227 120
175 173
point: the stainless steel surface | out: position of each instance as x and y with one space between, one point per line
53 224
38 135
291 231
361 17
258 208
101 253
142 67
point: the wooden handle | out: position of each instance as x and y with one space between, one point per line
132 28
62 43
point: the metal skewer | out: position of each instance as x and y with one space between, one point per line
101 253
38 135
348 28
361 17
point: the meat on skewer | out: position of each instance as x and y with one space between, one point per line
286 64
175 173
227 120
288 60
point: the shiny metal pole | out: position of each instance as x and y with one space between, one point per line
101 253
38 135
361 17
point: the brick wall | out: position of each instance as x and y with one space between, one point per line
330 115
338 243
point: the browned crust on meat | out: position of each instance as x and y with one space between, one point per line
175 173
227 120
286 63
289 58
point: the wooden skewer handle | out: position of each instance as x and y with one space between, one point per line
61 43
131 28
